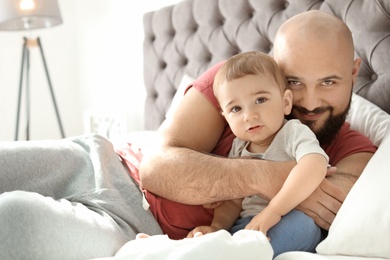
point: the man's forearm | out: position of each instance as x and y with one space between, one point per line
343 180
349 170
190 177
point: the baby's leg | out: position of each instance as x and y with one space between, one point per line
240 224
295 232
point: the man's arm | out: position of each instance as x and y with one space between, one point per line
326 201
182 170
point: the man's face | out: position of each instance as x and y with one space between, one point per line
321 79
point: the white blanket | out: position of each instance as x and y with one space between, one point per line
244 244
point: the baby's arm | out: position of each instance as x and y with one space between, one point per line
303 179
224 217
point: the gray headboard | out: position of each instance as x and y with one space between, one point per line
189 37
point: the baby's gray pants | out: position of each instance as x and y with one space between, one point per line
67 199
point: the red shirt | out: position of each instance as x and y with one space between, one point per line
177 219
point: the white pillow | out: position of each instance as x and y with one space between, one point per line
185 81
368 119
362 226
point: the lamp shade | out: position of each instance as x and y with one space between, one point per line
29 14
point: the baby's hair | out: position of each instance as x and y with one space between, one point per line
249 63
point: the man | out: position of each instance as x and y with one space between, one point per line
315 52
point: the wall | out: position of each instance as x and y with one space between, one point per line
94 60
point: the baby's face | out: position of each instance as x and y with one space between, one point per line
254 107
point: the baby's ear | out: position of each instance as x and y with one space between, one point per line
221 112
287 101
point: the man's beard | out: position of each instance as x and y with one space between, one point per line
332 125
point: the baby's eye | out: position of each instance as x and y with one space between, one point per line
235 109
260 100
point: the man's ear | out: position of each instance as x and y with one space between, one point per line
287 101
355 69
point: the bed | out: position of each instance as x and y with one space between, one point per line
183 40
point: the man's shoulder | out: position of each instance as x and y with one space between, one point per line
207 78
348 142
347 132
204 84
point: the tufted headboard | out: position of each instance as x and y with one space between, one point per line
189 37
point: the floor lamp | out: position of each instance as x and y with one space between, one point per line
27 15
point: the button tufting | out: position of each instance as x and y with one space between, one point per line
374 77
286 4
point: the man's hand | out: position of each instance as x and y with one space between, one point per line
201 230
331 170
213 205
324 203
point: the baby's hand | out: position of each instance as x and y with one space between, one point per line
264 220
141 235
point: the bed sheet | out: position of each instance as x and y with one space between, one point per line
309 256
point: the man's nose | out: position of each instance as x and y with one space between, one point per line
310 99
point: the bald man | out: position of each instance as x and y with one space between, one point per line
315 52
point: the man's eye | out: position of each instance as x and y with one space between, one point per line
293 82
328 82
260 100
